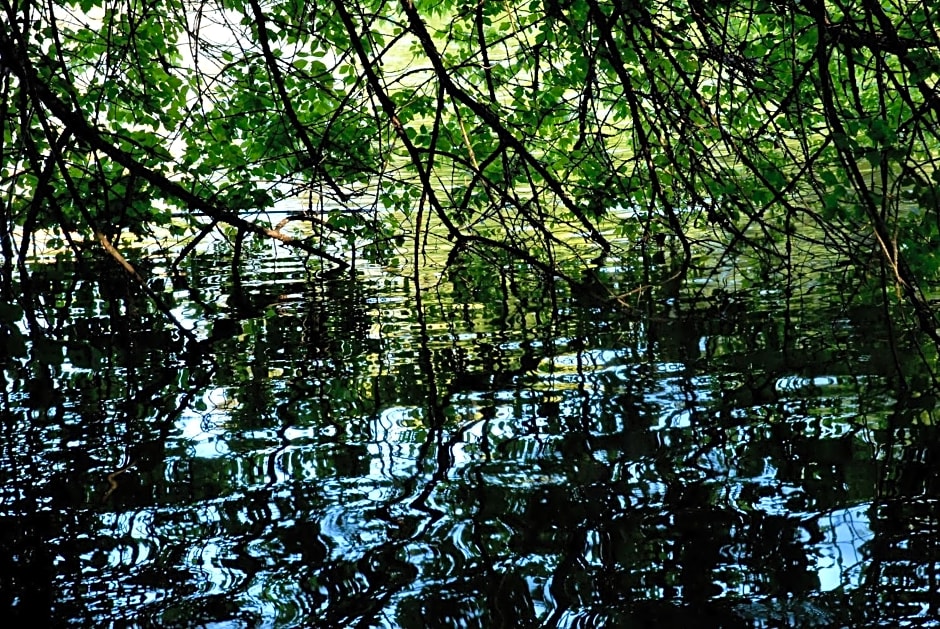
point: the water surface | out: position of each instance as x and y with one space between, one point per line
464 449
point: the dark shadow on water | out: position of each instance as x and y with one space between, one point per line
488 452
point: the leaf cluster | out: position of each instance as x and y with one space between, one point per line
548 130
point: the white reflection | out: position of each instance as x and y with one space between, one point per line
840 559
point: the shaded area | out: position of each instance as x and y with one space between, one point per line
335 452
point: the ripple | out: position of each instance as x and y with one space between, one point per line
841 555
349 530
217 563
823 384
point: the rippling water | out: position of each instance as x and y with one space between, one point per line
337 452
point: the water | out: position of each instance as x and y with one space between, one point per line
337 452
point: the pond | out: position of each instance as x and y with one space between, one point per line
466 448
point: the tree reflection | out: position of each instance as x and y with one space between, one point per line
474 450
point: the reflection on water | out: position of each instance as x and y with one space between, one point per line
335 452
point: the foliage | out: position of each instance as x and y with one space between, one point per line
546 130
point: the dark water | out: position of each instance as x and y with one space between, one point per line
486 451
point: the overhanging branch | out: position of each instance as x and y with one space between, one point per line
75 121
